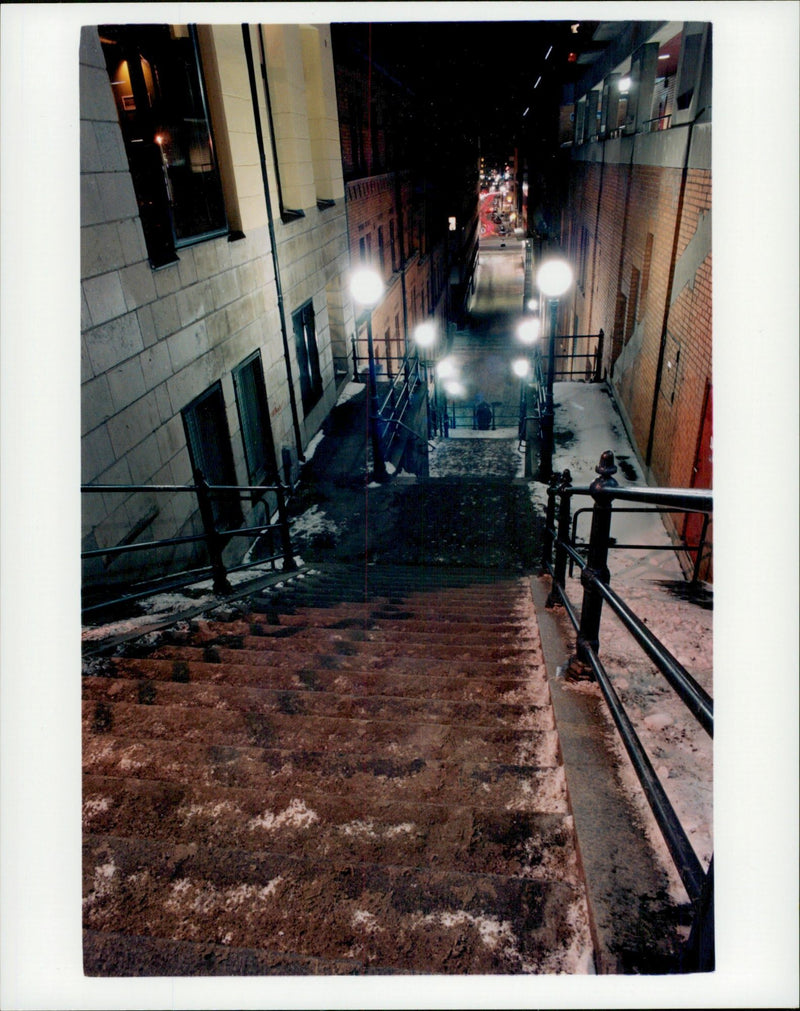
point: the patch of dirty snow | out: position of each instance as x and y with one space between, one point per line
350 390
313 521
366 920
296 815
491 931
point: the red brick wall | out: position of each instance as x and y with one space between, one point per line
638 202
641 221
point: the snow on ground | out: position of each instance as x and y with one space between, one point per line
679 749
469 453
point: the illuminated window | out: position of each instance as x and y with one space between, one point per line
157 83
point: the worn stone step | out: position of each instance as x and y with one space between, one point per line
382 915
111 953
354 642
467 775
239 685
354 629
342 830
422 620
134 712
341 657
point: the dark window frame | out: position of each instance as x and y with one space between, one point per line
168 135
252 407
205 424
307 351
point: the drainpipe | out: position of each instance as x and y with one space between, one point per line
625 219
248 52
596 227
402 253
668 300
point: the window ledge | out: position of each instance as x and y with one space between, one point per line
323 205
288 214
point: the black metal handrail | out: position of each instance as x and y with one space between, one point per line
214 537
559 547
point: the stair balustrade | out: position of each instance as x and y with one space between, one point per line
215 537
559 547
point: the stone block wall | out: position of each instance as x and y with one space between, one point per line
154 340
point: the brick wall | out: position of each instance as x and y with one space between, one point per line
645 203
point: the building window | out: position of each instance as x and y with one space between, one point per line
381 254
633 305
251 403
648 259
392 245
307 356
157 83
209 442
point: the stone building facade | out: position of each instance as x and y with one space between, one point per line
214 266
636 226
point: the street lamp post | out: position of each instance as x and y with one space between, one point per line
425 338
366 287
527 334
554 277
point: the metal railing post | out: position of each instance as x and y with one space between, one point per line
355 360
562 536
549 522
289 564
213 539
598 357
596 568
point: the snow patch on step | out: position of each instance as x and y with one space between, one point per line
296 815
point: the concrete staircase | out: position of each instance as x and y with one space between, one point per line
353 772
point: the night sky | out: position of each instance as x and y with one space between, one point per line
482 76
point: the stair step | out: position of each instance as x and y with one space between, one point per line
160 682
476 840
341 657
353 642
209 718
355 629
337 748
382 915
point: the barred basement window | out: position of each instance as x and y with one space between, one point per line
307 356
157 83
251 403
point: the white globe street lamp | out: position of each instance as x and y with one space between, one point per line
554 277
447 369
366 288
520 367
425 335
528 330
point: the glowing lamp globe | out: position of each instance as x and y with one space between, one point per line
520 367
554 277
366 286
425 335
528 330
